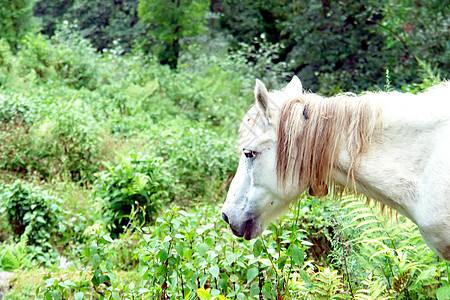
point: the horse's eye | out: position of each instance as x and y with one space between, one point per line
249 153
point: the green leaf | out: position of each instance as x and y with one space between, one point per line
115 295
93 249
214 270
162 255
443 293
95 261
161 270
179 248
203 294
251 274
67 284
223 284
142 271
143 291
304 276
107 238
282 262
56 295
230 257
258 247
147 238
78 296
50 281
202 248
297 255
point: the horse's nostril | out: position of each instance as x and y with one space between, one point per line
225 218
248 224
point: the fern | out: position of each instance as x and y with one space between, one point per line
15 256
430 75
374 289
392 250
329 284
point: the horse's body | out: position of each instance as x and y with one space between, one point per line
391 147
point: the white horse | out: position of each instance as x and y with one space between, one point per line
391 147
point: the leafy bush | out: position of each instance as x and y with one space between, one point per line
187 253
15 108
201 160
134 190
194 253
31 211
16 19
17 115
66 58
68 142
40 220
215 89
65 142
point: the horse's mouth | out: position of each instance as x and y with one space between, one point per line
248 231
246 235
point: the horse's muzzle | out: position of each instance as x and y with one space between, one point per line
246 229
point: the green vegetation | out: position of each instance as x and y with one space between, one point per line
169 21
116 159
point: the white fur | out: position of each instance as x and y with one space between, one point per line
407 165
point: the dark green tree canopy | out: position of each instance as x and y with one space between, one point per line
170 21
331 45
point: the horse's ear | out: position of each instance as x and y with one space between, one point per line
262 100
294 87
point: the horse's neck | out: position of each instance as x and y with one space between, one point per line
390 170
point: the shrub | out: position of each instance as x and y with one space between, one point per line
17 115
66 142
200 160
32 211
134 190
66 58
15 108
16 19
214 89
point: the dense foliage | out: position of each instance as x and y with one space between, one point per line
114 165
16 20
135 189
346 45
170 21
332 45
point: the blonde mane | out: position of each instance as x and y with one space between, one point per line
312 129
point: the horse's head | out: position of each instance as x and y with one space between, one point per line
256 196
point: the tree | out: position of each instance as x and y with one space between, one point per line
171 20
51 13
346 45
15 20
105 21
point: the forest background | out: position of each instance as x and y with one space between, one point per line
118 135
